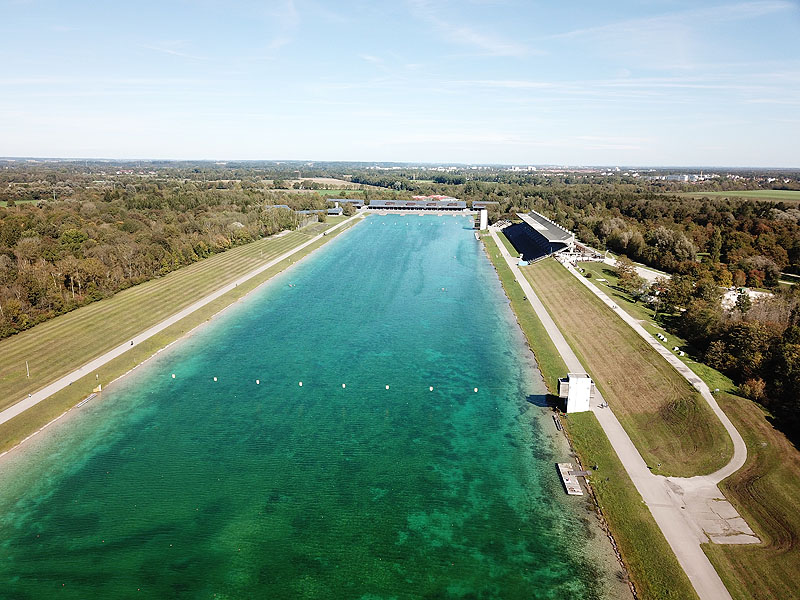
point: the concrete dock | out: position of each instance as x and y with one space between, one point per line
570 481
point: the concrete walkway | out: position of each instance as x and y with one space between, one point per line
667 506
58 385
648 275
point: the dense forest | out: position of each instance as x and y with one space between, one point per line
73 232
58 255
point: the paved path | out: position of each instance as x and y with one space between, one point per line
681 531
648 275
60 384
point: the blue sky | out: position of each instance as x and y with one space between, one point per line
478 81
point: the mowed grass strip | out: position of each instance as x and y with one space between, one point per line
766 492
507 243
60 345
668 421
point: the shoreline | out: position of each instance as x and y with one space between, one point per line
605 552
185 335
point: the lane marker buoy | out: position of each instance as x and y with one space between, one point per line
215 378
301 384
258 382
387 387
431 388
173 375
343 386
476 390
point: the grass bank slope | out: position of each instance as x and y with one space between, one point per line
668 421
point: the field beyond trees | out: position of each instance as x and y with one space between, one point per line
788 196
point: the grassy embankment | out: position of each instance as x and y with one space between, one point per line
507 243
765 491
652 566
61 345
665 417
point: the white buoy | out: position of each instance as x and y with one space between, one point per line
387 387
431 388
343 386
301 384
173 375
215 378
258 382
476 390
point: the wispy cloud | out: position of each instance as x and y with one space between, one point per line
173 48
668 40
375 60
695 16
287 18
427 11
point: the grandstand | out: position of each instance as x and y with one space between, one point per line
537 236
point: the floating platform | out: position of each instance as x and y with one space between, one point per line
570 481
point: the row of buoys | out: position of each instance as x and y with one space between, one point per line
344 385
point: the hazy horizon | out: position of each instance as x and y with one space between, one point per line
407 164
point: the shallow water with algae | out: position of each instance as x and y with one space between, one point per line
190 487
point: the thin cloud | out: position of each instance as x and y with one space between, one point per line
173 48
725 12
426 11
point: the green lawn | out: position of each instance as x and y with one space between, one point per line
507 243
765 491
665 417
611 254
60 345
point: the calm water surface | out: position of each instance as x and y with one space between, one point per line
190 488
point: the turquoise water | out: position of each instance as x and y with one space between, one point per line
192 488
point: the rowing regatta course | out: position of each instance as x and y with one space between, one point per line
198 487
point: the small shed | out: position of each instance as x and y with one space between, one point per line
578 390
